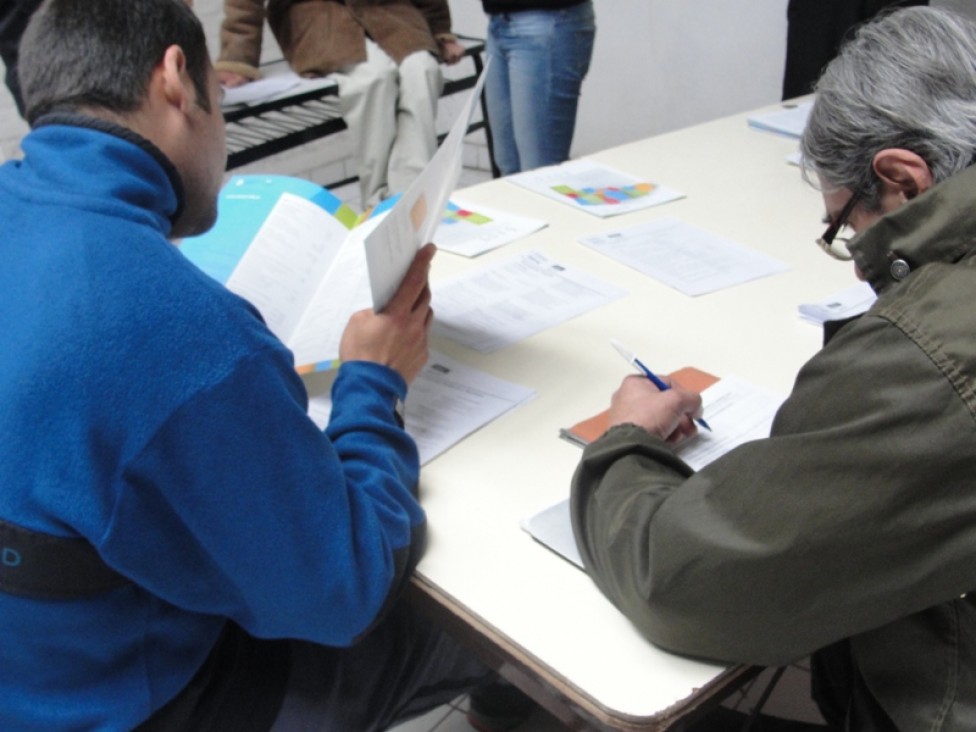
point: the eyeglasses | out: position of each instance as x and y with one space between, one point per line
836 246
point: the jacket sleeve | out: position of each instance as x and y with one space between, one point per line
856 511
244 509
241 33
438 15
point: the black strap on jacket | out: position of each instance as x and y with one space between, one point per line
239 688
48 567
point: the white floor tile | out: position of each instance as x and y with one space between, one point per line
427 722
452 719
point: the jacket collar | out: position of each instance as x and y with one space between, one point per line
156 185
937 226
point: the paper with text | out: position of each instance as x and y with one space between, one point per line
412 221
847 303
513 299
682 256
738 412
446 402
306 274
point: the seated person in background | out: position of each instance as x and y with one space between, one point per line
849 533
181 544
385 57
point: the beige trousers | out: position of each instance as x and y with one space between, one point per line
391 112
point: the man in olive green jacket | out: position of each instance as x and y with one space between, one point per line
850 533
384 54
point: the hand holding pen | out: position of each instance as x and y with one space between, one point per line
632 359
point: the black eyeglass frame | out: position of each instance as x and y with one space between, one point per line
826 241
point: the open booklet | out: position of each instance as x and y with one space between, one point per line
737 411
295 252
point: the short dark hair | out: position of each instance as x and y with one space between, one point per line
101 53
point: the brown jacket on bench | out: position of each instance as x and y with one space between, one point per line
318 37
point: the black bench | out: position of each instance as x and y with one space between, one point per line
257 130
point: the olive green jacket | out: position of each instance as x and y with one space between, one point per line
851 530
318 37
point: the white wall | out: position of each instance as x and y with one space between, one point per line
659 65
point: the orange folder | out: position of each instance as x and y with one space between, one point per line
585 432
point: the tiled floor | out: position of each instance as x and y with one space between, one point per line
790 698
451 718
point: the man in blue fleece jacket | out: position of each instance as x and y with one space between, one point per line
181 547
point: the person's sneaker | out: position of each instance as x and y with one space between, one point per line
498 706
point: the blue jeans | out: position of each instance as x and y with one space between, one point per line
538 61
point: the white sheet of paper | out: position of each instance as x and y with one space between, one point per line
470 229
514 298
594 188
446 402
286 262
790 120
450 400
737 411
344 291
847 303
682 256
260 90
411 223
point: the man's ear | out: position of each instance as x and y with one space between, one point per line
172 80
903 174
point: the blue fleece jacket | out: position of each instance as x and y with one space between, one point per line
149 410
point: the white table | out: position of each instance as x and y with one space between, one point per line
540 620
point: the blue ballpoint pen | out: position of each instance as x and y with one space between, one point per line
632 359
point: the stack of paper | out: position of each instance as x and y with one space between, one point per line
790 121
847 303
513 299
260 90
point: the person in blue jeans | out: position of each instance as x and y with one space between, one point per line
540 52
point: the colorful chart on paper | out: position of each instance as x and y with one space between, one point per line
597 189
455 214
472 229
608 196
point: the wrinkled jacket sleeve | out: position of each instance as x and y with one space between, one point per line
857 511
240 37
438 15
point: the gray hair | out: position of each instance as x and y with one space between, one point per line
906 80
